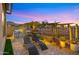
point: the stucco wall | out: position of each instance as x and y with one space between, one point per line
2 40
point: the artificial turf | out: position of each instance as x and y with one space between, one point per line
8 50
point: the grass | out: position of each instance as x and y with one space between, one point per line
8 50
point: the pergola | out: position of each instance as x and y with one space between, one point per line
70 30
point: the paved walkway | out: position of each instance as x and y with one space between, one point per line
19 49
2 44
55 50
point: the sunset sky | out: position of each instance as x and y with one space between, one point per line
51 12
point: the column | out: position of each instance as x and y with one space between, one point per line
76 31
70 32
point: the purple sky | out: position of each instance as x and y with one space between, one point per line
64 13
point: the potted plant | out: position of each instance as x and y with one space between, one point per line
74 45
62 42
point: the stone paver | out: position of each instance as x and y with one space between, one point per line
18 48
55 50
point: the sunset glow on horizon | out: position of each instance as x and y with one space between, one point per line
51 12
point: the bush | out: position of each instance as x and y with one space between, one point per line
8 50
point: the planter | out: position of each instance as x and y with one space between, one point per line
45 41
74 47
62 44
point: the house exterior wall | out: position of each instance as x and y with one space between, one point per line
9 31
2 39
